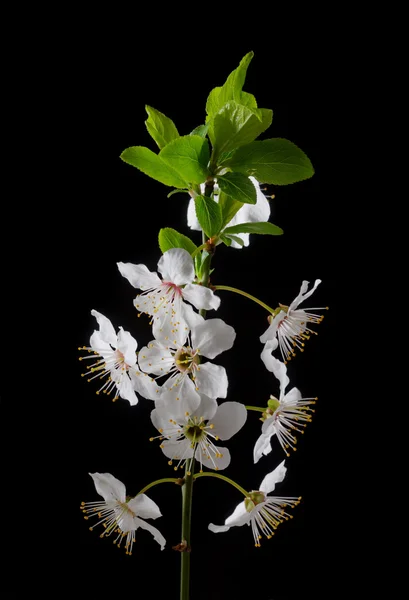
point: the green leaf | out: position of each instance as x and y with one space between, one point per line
198 265
160 127
248 100
236 239
229 207
235 125
170 238
209 215
275 161
201 260
239 187
189 156
212 104
226 240
201 130
264 228
152 164
231 90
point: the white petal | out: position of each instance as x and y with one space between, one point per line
160 416
229 419
181 399
150 358
98 344
268 428
239 517
201 296
213 462
157 536
271 479
218 528
192 221
212 337
262 447
139 276
170 325
274 365
125 520
177 450
212 380
176 266
109 487
126 389
144 507
127 345
207 408
293 396
271 330
145 303
303 295
143 385
106 328
192 318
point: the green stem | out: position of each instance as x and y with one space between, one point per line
256 408
233 483
232 289
188 487
199 249
187 490
157 482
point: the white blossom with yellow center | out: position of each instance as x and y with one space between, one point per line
119 515
187 375
165 300
264 513
113 363
187 435
290 325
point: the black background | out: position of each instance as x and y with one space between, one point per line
114 215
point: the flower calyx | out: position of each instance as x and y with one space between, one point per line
272 406
254 498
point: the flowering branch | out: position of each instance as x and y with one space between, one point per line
220 166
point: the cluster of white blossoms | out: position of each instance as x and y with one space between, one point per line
176 372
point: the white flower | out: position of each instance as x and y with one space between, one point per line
164 299
116 364
248 213
189 435
264 513
285 416
187 375
290 324
120 514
